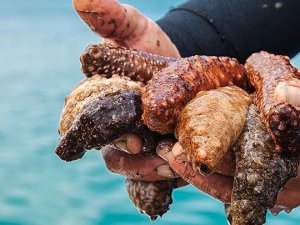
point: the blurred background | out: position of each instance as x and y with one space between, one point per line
40 44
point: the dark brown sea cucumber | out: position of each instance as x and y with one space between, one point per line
260 172
104 119
87 90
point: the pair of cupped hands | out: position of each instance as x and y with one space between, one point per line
123 25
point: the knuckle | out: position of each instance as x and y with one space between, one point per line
187 173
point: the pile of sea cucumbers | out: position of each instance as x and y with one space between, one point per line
205 103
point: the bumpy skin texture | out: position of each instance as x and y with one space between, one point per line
260 173
266 71
152 198
173 87
104 119
210 124
87 90
107 60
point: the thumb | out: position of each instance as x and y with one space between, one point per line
123 25
108 18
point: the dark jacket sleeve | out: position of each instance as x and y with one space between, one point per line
234 28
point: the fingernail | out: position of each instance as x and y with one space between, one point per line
134 143
129 143
288 210
280 93
164 153
177 150
277 209
179 153
121 144
293 95
288 92
165 172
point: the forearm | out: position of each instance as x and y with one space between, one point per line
234 28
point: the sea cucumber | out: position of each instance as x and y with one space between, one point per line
152 198
210 124
260 172
268 72
104 119
87 90
106 59
174 86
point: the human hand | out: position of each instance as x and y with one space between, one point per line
153 168
132 165
123 25
175 163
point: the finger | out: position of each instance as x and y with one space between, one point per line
289 197
286 200
123 25
181 182
129 143
226 168
293 184
216 185
107 18
137 167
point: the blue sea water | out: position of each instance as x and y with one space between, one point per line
40 42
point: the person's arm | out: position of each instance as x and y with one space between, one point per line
234 28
